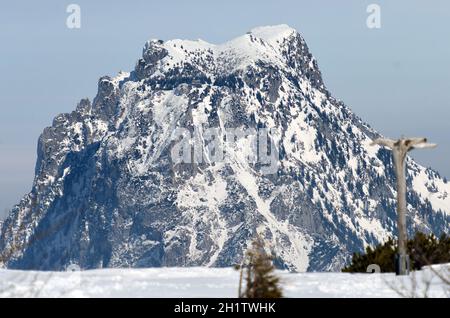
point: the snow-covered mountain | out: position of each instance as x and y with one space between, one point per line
108 192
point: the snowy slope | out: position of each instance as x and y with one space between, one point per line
207 283
107 192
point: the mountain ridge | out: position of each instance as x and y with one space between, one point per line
108 194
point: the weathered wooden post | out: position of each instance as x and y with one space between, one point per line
399 149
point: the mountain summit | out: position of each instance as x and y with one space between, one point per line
135 178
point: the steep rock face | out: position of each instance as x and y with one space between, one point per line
108 192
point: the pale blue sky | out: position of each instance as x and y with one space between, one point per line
396 78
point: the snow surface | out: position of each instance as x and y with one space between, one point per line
434 190
273 33
204 282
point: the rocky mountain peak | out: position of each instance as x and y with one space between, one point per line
113 190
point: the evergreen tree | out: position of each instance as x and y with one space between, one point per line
261 282
422 249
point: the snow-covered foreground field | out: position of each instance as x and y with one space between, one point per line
205 282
